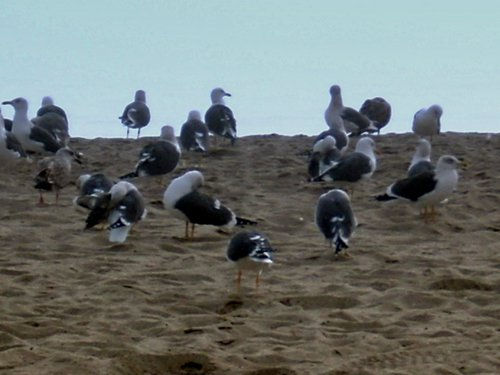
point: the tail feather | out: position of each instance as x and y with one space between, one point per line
129 175
240 222
384 198
340 243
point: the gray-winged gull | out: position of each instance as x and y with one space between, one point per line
159 157
55 172
353 167
250 251
335 218
33 138
219 118
421 160
185 202
10 147
136 115
194 133
426 189
90 188
427 121
121 208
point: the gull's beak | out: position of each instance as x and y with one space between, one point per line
78 157
6 103
227 94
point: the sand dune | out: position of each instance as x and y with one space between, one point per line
414 298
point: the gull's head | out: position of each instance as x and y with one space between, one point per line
168 133
217 95
335 90
140 96
195 179
47 100
194 115
325 145
447 162
19 104
365 144
436 110
423 149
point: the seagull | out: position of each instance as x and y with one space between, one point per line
91 187
53 119
427 121
10 148
55 171
122 207
33 138
324 155
378 110
335 218
352 120
426 189
421 160
250 251
183 199
219 118
194 133
48 106
158 158
353 167
136 115
335 121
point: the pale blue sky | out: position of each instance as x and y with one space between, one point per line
277 58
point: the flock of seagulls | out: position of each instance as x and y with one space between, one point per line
119 205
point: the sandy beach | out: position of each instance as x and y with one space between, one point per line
414 298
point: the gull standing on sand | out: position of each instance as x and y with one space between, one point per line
194 133
136 115
324 155
122 207
219 118
335 218
10 148
335 121
33 138
427 121
356 166
185 202
158 158
426 189
55 172
91 187
421 160
53 119
378 110
250 251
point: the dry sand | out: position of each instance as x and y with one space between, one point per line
415 298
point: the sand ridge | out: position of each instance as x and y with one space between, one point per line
415 297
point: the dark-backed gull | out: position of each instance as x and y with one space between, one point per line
10 147
136 115
194 133
426 189
122 207
335 218
378 110
219 118
250 251
324 155
90 188
421 160
183 199
159 157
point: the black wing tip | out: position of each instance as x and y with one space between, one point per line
241 222
340 245
384 198
128 175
